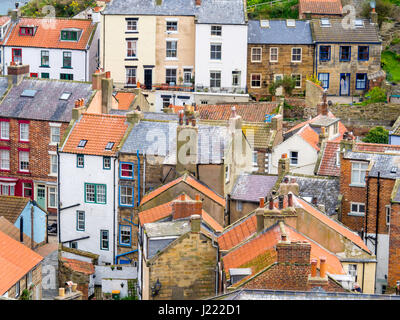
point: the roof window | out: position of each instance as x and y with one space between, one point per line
70 34
65 95
109 146
290 22
325 23
82 143
264 23
28 93
358 23
27 30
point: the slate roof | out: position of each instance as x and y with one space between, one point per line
48 33
3 85
98 130
46 104
16 260
279 33
251 187
12 206
328 7
210 11
325 189
336 33
159 138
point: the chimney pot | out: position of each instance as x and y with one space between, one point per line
193 122
283 237
284 155
322 267
271 203
197 197
182 197
314 268
290 200
108 74
262 204
280 198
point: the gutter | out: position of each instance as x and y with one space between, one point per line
123 254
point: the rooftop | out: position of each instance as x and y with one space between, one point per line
251 187
167 229
12 206
79 266
327 7
12 231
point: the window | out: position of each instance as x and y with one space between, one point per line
273 54
296 54
216 51
80 220
363 53
45 75
166 102
7 189
239 206
125 235
337 158
17 289
24 161
227 173
236 78
130 76
45 58
358 23
215 79
131 25
126 170
256 80
345 53
264 23
216 31
27 190
187 76
4 130
52 194
255 162
66 76
324 78
65 96
172 26
26 31
67 59
107 163
4 159
126 196
324 53
336 128
387 211
54 134
294 157
361 81
109 146
352 271
325 22
357 209
17 56
358 170
80 160
53 164
131 48
29 280
170 76
172 49
297 80
104 239
95 193
256 54
82 143
23 131
69 35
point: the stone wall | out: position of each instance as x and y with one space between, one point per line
314 94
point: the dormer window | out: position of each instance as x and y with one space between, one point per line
70 35
27 31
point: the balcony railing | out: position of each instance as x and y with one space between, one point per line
231 90
173 87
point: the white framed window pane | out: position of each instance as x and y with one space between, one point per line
24 161
5 130
90 192
5 159
101 193
131 25
24 131
172 49
55 134
131 76
126 195
216 51
131 48
53 164
273 54
170 76
215 79
52 197
125 234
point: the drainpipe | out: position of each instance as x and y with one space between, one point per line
32 228
115 159
216 267
377 213
144 173
58 196
138 173
362 285
366 213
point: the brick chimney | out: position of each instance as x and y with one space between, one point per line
187 135
96 79
294 252
198 3
267 217
283 164
107 88
184 207
16 73
374 16
78 109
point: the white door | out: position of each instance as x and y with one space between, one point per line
278 90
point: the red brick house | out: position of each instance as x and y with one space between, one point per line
33 117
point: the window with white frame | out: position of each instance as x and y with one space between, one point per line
172 26
256 54
107 163
53 164
130 76
54 134
24 131
216 31
126 170
255 163
125 235
352 271
336 128
215 79
297 80
131 47
187 76
239 206
131 25
4 130
24 161
216 51
170 76
172 49
126 195
52 194
273 54
227 173
104 240
357 209
80 220
95 193
17 289
296 54
387 212
358 171
4 159
255 80
294 157
7 189
236 78
29 278
338 158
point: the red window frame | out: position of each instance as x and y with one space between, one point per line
23 150
9 149
9 128
19 130
14 55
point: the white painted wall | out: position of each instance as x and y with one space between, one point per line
106 272
307 155
382 266
108 285
234 54
97 216
178 101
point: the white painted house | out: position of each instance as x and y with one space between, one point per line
58 48
88 181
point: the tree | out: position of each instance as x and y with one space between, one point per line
377 135
288 84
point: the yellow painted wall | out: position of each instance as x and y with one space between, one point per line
368 283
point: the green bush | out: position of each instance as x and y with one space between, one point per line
377 135
65 8
375 95
384 9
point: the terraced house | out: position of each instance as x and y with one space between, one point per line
346 56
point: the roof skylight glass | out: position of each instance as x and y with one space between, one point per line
82 143
65 95
28 93
109 146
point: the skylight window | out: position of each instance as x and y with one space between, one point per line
264 23
82 143
393 170
325 23
358 23
109 146
65 96
29 93
291 22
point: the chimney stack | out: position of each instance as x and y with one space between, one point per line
134 116
183 208
283 164
323 136
96 79
290 200
195 223
374 16
294 252
198 3
323 107
107 88
16 73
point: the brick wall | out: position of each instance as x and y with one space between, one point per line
394 248
186 270
36 281
66 274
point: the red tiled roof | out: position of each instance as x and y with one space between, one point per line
48 33
310 136
98 130
4 20
333 224
191 182
320 6
79 266
165 210
16 260
375 147
240 231
328 165
125 100
316 118
248 112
